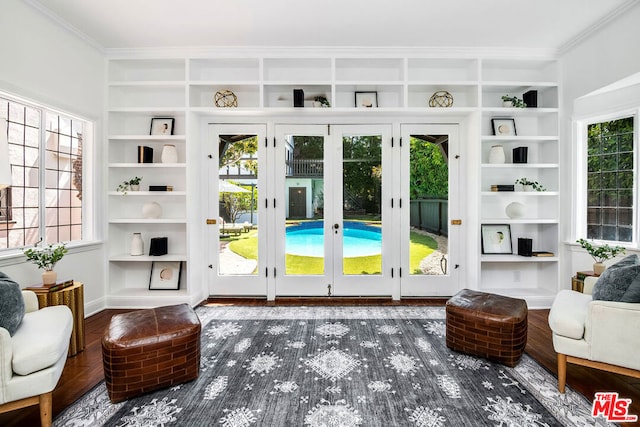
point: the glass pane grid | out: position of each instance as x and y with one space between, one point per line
610 176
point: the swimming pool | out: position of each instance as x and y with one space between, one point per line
307 239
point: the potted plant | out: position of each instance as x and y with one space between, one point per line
321 101
600 254
133 184
528 185
512 101
46 258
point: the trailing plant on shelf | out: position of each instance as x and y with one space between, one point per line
600 253
324 102
131 184
514 100
526 182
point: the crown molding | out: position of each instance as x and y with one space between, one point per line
65 25
597 26
337 51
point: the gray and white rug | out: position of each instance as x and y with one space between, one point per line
340 366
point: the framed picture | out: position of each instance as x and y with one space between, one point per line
162 126
504 127
366 99
496 239
165 275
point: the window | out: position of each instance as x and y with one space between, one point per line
45 154
610 180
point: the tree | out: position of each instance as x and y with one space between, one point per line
239 153
237 203
429 171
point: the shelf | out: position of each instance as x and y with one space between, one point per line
520 138
152 83
520 193
148 193
158 138
147 258
532 221
520 165
505 111
147 165
148 221
517 258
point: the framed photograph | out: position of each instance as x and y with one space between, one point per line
165 275
496 239
162 126
504 127
366 99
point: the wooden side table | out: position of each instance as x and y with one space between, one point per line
72 297
577 284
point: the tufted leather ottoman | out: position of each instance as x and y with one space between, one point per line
487 325
145 350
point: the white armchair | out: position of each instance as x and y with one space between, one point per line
598 334
32 360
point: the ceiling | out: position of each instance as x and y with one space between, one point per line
540 24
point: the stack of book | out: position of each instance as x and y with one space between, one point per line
51 288
502 187
581 275
541 253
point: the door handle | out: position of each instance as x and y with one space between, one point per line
336 226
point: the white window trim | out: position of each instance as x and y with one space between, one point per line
580 126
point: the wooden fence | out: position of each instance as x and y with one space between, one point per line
430 215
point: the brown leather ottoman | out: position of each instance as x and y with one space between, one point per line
145 350
487 325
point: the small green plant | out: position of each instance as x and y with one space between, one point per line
126 185
515 101
46 257
324 102
534 184
600 253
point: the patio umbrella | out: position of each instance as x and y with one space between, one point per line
227 187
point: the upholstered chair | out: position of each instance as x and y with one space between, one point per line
32 359
595 333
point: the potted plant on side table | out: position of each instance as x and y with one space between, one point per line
600 254
46 258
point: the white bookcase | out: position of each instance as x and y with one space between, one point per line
537 129
140 89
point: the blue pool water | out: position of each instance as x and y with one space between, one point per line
307 239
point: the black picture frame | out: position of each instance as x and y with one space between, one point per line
162 126
496 239
165 275
504 127
367 99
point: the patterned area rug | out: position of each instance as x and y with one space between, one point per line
339 366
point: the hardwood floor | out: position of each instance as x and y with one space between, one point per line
84 371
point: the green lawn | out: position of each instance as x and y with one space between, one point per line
246 245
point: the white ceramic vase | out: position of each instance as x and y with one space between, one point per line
151 210
137 245
496 154
49 277
169 154
515 210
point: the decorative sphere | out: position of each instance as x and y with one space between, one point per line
151 210
441 98
515 210
225 98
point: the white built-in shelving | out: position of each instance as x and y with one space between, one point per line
140 89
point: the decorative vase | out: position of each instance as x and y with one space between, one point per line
527 187
169 154
496 154
515 210
507 104
134 187
49 277
137 245
599 268
151 210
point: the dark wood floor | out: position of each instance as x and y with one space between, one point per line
84 371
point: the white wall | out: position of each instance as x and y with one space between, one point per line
45 63
603 58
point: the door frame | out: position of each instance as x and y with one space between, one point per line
445 285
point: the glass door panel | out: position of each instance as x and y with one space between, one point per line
301 217
362 204
429 242
236 184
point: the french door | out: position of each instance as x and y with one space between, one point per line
333 231
238 179
430 224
